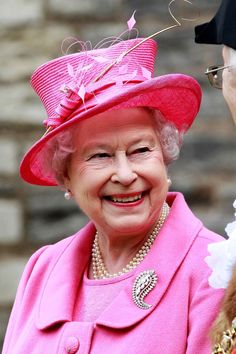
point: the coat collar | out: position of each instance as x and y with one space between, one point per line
167 253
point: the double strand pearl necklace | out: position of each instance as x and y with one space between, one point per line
99 268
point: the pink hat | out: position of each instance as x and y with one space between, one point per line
81 85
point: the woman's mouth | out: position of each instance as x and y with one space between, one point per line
126 199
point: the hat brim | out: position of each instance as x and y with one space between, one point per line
207 33
176 96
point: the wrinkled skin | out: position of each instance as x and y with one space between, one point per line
229 79
119 156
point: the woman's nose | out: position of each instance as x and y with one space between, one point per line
123 171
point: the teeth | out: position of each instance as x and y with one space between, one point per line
126 199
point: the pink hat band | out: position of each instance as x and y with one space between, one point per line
66 87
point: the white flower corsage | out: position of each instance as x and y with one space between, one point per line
222 257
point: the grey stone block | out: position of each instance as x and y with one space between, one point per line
11 221
24 108
20 12
8 187
51 217
80 9
11 269
8 156
4 317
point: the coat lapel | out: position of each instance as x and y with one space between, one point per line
70 258
165 257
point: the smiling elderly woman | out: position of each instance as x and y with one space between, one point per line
135 276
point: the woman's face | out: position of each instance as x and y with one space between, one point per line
117 174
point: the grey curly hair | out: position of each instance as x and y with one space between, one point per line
60 149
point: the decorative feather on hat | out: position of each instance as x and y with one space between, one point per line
81 85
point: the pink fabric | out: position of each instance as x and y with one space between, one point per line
183 304
95 295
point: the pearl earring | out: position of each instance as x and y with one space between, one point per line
169 182
68 195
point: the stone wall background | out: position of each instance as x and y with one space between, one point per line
31 32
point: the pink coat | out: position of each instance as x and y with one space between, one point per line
183 304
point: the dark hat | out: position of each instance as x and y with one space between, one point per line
222 28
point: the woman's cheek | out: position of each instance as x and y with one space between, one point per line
79 169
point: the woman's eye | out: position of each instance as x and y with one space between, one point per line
141 150
99 155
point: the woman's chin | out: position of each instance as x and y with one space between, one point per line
130 225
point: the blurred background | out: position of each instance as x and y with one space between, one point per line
31 32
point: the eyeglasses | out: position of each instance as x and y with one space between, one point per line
214 74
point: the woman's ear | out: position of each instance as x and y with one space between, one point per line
67 186
68 193
66 180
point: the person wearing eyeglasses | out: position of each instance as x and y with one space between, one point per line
222 259
222 30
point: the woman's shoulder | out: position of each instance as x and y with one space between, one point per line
200 246
188 222
208 236
48 263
